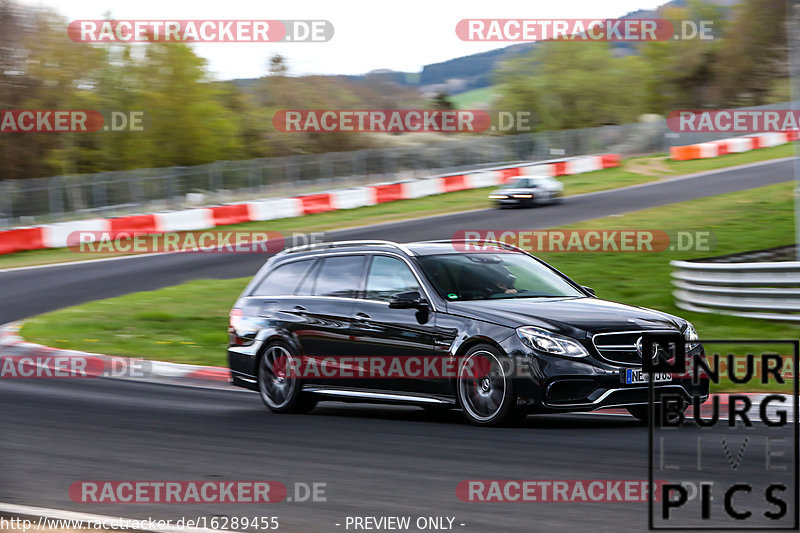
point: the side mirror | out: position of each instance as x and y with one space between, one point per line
588 289
406 300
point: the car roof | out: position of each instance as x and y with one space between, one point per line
419 248
438 248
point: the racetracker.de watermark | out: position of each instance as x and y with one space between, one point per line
554 490
733 120
69 121
380 120
200 31
618 240
177 492
196 491
209 241
60 366
617 30
397 367
402 121
475 368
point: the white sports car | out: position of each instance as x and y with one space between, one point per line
528 190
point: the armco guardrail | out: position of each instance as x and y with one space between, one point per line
769 290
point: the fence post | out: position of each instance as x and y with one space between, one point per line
172 177
55 197
6 201
98 198
136 190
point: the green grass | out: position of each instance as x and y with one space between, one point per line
192 329
441 204
748 220
183 324
475 99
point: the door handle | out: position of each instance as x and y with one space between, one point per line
362 317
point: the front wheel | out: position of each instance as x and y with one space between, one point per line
279 389
485 393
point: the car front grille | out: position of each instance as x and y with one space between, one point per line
619 347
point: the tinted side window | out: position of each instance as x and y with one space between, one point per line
388 276
340 276
307 285
283 280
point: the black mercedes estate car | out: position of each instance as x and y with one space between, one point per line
495 332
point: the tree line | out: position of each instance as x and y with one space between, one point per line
583 84
189 118
192 119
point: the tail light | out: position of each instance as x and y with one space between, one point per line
236 333
234 319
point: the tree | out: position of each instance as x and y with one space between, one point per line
573 85
278 66
21 156
442 101
754 54
188 125
680 73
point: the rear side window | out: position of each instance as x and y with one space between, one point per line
388 276
283 280
340 276
307 285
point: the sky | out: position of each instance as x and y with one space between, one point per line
403 35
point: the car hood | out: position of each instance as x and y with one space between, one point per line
575 317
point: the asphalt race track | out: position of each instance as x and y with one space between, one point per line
375 460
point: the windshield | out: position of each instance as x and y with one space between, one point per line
522 183
484 276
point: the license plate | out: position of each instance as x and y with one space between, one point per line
632 376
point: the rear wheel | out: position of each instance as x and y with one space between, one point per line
485 393
279 389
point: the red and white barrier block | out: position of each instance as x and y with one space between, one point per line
732 146
56 235
576 165
186 220
275 208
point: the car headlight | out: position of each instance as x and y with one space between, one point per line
690 334
549 342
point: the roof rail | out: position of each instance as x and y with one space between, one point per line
342 244
499 244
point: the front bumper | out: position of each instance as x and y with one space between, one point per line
509 202
548 383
